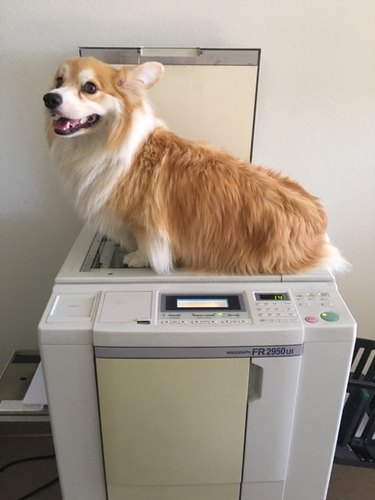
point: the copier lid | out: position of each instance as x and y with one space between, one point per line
205 94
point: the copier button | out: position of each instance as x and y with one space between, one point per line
330 316
311 319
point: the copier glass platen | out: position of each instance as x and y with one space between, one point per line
190 386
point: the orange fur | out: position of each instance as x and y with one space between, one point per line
209 210
222 215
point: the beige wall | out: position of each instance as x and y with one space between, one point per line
315 122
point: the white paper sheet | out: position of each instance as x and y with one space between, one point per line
36 393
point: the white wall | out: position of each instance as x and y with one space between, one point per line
315 122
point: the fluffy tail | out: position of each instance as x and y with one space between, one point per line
333 260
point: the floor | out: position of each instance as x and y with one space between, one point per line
351 483
20 446
27 465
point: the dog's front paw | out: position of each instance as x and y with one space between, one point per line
136 259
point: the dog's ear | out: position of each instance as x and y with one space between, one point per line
144 76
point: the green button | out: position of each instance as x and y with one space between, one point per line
330 316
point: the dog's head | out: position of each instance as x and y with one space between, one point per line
88 94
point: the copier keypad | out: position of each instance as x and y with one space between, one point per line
276 312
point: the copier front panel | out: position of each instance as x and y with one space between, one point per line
184 374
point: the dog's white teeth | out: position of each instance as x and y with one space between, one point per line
82 121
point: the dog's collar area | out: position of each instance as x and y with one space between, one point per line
69 126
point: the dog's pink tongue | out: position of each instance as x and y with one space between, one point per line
63 124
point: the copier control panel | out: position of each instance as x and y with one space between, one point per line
226 309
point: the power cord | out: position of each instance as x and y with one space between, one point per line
27 459
31 459
41 488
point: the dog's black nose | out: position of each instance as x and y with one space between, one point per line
52 100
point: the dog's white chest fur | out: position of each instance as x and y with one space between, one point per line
88 174
89 180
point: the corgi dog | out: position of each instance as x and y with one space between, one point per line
173 202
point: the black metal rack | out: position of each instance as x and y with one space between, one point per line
356 443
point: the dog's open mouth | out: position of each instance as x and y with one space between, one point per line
69 126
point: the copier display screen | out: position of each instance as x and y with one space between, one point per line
272 296
202 302
199 303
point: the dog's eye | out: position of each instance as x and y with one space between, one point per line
89 88
59 81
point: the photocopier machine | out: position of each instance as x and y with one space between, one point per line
191 386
